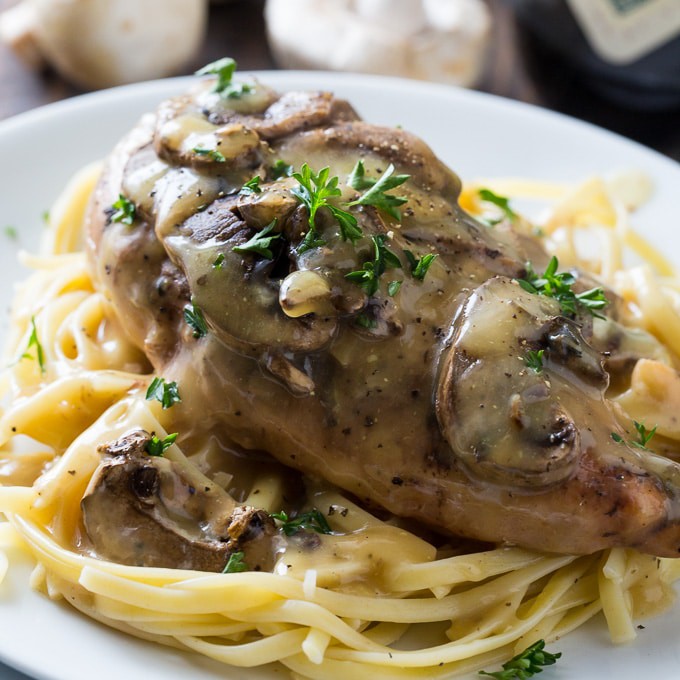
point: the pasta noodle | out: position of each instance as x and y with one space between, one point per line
417 611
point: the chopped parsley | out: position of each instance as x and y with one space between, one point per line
383 258
644 436
527 664
252 186
307 521
533 359
46 216
558 286
365 321
260 243
500 202
165 392
125 210
420 266
375 189
393 288
11 233
280 169
33 341
212 154
157 447
235 563
224 70
194 317
219 261
314 191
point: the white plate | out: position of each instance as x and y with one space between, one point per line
477 135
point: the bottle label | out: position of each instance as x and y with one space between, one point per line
621 31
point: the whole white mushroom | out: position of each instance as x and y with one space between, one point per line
101 43
440 40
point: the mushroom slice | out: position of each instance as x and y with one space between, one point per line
507 422
184 136
148 511
240 297
291 112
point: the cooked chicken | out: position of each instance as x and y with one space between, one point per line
418 399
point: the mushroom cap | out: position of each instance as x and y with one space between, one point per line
98 43
439 40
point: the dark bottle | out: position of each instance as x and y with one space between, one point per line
627 51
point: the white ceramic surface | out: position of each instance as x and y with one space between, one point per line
477 135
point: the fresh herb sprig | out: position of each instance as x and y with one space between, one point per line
280 169
261 242
527 664
252 186
193 315
314 191
420 265
212 154
558 286
235 563
165 392
307 521
34 341
383 258
533 360
376 189
125 210
500 202
644 436
157 446
393 287
224 70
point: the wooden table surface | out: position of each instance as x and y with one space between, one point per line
237 29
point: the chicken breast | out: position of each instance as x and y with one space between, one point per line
404 383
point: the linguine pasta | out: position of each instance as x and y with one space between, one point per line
376 599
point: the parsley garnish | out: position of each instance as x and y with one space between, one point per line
157 447
252 186
558 286
165 392
375 194
393 288
307 521
365 321
46 216
235 563
526 664
313 191
534 360
224 70
280 169
194 317
644 436
260 243
367 277
419 266
125 210
500 202
212 154
11 232
219 260
33 341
